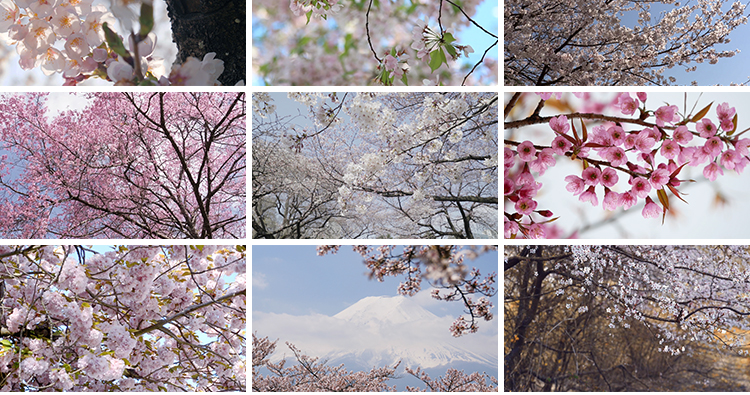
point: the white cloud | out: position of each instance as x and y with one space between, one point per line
259 280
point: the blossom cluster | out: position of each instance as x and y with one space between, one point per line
322 42
678 35
70 37
648 155
361 153
110 337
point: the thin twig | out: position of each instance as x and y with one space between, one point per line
367 28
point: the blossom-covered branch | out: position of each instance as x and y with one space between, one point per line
443 267
554 42
78 320
623 137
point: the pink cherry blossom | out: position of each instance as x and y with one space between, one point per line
670 149
609 177
510 228
712 171
666 114
615 155
592 176
611 200
713 147
651 209
659 178
628 105
729 158
682 135
725 112
560 124
536 231
589 195
508 186
543 161
526 151
641 187
706 128
628 199
525 206
644 142
561 145
575 184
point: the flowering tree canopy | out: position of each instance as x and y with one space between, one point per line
313 375
376 165
130 165
571 312
78 39
360 42
627 149
553 42
130 319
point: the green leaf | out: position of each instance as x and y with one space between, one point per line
308 15
404 80
451 50
146 19
437 58
115 43
448 38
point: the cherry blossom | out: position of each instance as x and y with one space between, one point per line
161 165
75 324
666 298
591 44
79 41
347 42
377 165
649 151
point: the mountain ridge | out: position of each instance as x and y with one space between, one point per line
391 319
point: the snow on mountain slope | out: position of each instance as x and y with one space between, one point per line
397 328
382 309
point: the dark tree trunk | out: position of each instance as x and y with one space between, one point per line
202 26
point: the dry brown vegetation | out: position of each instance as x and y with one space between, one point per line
553 344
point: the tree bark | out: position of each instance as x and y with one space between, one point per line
203 26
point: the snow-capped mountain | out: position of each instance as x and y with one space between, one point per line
383 309
397 328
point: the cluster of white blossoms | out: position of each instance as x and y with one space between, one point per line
371 116
68 37
305 98
319 8
263 104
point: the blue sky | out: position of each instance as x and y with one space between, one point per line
295 280
726 71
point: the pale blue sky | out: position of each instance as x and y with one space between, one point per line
295 280
726 71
